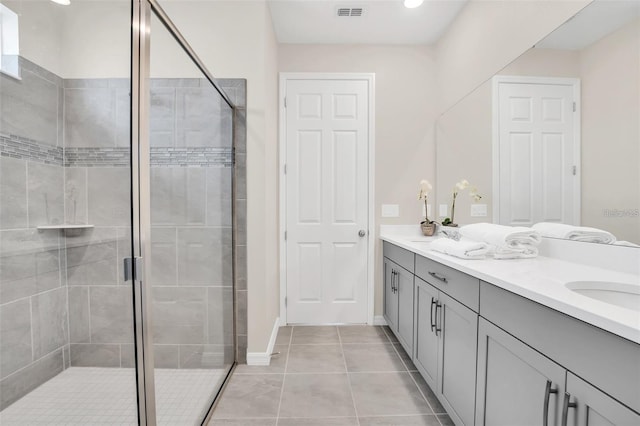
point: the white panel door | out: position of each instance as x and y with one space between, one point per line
537 159
327 124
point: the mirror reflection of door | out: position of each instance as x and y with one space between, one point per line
537 150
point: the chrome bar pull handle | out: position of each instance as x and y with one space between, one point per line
565 408
438 277
545 410
438 306
433 302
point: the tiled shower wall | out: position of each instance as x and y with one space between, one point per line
62 300
33 296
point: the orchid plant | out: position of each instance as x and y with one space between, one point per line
460 186
425 188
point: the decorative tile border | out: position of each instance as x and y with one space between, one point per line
26 149
191 157
97 157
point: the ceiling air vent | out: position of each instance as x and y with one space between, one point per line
350 11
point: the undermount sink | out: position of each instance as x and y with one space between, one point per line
619 294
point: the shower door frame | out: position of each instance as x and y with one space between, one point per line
141 200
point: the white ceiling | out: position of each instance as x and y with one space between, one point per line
383 21
600 18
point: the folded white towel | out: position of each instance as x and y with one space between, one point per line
574 233
501 235
505 242
463 249
625 244
523 251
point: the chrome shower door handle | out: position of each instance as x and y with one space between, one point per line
362 233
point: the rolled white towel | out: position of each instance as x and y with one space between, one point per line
525 251
501 236
574 233
463 249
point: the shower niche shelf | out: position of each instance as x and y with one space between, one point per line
67 229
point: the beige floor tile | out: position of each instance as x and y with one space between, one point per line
425 420
305 335
384 394
250 396
341 421
372 357
316 359
362 334
316 395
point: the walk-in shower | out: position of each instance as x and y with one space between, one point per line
117 218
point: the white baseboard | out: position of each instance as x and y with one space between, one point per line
379 320
264 358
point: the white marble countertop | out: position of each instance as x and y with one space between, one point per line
541 279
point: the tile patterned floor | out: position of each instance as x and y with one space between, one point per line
106 396
331 376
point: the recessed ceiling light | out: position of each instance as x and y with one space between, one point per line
62 2
411 4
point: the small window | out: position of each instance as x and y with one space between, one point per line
9 46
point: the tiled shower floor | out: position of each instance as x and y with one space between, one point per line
106 396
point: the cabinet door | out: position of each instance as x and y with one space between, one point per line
595 408
512 382
404 284
390 295
457 359
426 354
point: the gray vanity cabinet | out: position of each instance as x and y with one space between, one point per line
446 339
398 293
390 295
457 358
426 354
516 385
405 309
588 406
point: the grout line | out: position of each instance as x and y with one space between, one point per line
346 369
33 349
415 382
284 375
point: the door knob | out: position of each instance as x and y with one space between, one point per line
362 233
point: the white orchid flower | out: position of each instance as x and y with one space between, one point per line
425 188
463 184
473 193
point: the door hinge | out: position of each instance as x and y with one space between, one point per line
575 170
285 169
285 235
285 301
574 107
285 101
133 269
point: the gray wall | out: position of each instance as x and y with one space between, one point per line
34 334
62 299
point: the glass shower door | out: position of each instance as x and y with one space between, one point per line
66 314
190 232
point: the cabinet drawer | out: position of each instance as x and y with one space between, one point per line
462 287
402 257
607 361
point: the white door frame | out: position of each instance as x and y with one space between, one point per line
575 83
282 143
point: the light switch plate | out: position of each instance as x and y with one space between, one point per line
390 210
444 210
478 210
